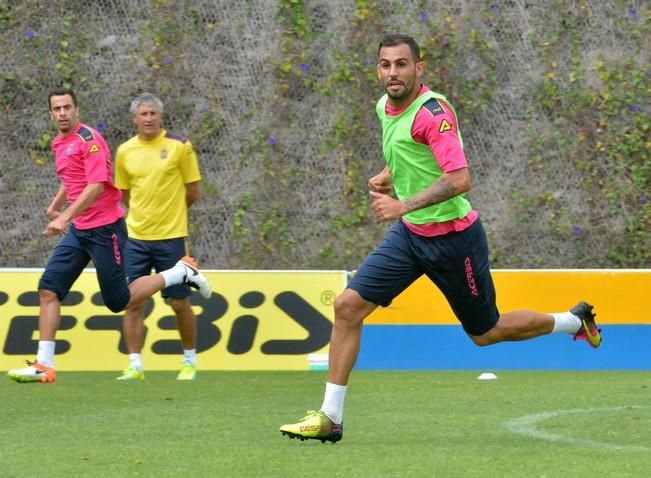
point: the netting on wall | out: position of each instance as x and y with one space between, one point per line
278 99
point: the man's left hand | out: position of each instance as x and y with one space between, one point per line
56 227
387 208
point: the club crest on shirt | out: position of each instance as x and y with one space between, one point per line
69 150
163 153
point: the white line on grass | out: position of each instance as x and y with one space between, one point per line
528 426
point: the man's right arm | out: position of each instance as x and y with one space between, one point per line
59 225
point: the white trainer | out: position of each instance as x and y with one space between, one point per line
34 372
194 278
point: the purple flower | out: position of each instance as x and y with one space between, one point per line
167 60
494 7
423 16
29 33
635 108
633 12
204 109
445 42
644 197
305 66
648 73
576 230
271 139
101 127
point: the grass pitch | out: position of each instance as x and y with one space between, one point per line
397 424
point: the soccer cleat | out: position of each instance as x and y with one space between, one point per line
194 278
588 331
188 372
314 426
34 372
132 373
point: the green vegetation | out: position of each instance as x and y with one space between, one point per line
278 99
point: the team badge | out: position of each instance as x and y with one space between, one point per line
69 150
445 126
93 149
163 153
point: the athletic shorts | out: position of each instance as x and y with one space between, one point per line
103 245
143 256
456 262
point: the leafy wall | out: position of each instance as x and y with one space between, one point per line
278 98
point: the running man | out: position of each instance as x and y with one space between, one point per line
436 232
93 228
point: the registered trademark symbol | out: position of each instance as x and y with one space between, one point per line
328 297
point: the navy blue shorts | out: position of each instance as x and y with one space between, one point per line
105 246
143 256
456 262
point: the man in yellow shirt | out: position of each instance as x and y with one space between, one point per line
159 176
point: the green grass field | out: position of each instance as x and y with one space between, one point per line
397 424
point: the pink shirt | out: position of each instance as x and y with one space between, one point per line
83 157
447 151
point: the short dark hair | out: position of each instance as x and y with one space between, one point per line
395 39
61 92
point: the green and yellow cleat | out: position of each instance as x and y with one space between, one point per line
314 426
132 373
188 372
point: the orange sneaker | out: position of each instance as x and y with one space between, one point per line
34 372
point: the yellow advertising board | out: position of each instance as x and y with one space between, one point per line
255 320
619 296
277 320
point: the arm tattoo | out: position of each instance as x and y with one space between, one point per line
440 191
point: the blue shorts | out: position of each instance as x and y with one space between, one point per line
105 246
143 256
456 262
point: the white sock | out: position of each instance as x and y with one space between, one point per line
566 323
174 275
135 360
190 356
333 401
45 354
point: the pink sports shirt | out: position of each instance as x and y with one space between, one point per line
81 158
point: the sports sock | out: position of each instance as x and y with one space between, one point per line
566 323
174 275
45 354
190 356
135 360
333 401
